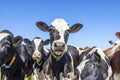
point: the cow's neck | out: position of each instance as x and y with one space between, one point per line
11 62
57 57
58 66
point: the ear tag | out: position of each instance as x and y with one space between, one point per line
58 57
7 66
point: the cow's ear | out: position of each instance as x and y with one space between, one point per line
96 57
46 42
17 40
111 42
42 26
27 41
76 27
118 34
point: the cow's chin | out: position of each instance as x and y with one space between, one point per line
37 60
59 52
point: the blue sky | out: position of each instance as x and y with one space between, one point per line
101 19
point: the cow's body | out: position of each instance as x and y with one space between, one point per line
12 69
94 65
53 69
26 58
63 59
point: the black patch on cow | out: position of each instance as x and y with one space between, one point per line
66 35
75 55
58 66
91 71
54 34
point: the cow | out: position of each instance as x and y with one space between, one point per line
63 58
114 55
39 54
15 61
94 65
9 58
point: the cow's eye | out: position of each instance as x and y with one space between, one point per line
68 31
52 30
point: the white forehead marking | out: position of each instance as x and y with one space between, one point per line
118 42
60 24
3 35
37 43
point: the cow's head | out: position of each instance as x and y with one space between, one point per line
59 31
7 44
115 45
37 47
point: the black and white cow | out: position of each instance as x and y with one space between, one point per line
94 65
9 58
63 58
15 60
39 54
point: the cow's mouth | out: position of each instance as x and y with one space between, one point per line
58 52
37 59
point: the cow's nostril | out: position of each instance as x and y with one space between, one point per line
63 45
55 44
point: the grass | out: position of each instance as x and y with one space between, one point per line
27 78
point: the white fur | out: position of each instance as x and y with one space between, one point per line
37 43
3 35
114 47
60 24
38 75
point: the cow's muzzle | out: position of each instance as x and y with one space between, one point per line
59 46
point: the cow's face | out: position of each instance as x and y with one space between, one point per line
37 47
59 33
5 47
116 44
7 43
